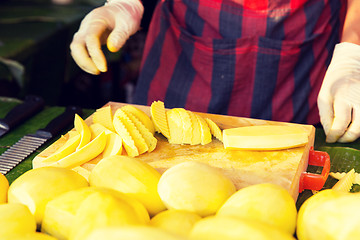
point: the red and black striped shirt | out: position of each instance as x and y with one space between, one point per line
261 59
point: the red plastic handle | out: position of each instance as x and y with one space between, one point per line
313 181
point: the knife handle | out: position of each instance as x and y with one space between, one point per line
31 105
61 122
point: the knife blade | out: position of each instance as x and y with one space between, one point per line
31 105
30 142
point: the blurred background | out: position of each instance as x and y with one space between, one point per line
35 58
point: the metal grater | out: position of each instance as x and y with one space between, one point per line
29 143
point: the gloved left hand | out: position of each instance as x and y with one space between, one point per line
339 96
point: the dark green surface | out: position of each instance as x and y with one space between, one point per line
36 122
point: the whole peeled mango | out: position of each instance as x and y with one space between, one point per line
36 187
329 214
179 222
132 233
130 176
266 202
230 228
195 187
103 209
29 236
16 218
61 211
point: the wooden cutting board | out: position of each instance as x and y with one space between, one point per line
244 167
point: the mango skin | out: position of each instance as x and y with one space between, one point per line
16 218
130 176
36 187
195 187
230 228
132 233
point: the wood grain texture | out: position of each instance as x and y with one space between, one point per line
244 167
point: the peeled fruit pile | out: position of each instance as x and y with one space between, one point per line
36 187
4 186
132 233
179 222
130 176
230 228
195 187
16 218
266 202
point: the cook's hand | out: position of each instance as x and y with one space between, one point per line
111 24
339 97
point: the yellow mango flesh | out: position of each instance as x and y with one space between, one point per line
143 117
330 214
16 218
132 233
149 138
187 125
36 187
159 117
69 147
84 131
266 202
175 127
113 140
4 186
130 176
102 209
264 137
104 117
196 131
214 129
28 236
178 222
229 228
60 212
84 154
128 140
205 131
194 187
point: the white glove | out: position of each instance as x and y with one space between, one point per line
339 96
111 24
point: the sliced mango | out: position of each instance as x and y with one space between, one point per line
104 116
142 116
82 171
196 131
84 131
158 115
128 141
205 131
214 129
346 182
84 154
149 138
113 140
69 147
187 125
264 137
132 129
175 126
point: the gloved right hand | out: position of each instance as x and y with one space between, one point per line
111 24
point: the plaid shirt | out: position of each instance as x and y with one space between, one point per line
262 59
